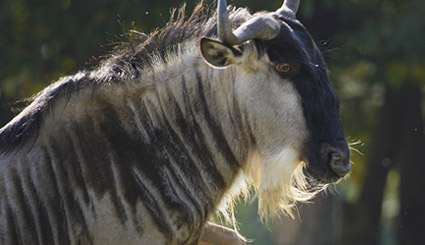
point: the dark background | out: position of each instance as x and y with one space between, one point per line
375 52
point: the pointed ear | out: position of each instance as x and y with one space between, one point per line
216 53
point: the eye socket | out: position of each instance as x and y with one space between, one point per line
284 67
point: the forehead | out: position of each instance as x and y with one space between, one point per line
293 43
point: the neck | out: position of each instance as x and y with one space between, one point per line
191 124
197 110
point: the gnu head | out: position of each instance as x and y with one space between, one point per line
276 45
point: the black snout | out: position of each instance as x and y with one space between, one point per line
339 163
338 158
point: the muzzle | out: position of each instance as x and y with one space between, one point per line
337 157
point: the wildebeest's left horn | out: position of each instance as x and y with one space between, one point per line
261 27
289 8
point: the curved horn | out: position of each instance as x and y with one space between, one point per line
289 8
262 27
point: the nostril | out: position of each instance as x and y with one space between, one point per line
339 164
336 157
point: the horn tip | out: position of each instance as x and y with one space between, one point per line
286 12
289 8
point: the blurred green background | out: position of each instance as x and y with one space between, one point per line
375 51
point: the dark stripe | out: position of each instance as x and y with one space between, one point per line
220 140
73 217
184 214
129 151
99 176
25 220
74 168
62 219
2 221
53 200
185 165
179 155
195 141
39 211
12 229
176 148
201 109
199 206
192 220
246 135
118 204
17 228
97 172
151 204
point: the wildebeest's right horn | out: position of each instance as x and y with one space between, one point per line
262 27
289 8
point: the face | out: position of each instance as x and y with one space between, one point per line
289 100
290 110
297 59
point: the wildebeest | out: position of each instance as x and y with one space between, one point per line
164 132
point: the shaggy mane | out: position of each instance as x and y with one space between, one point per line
141 52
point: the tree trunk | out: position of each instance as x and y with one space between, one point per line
361 220
412 168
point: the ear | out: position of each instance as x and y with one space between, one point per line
216 53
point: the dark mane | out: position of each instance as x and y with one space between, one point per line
127 61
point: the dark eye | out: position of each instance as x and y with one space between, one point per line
284 67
